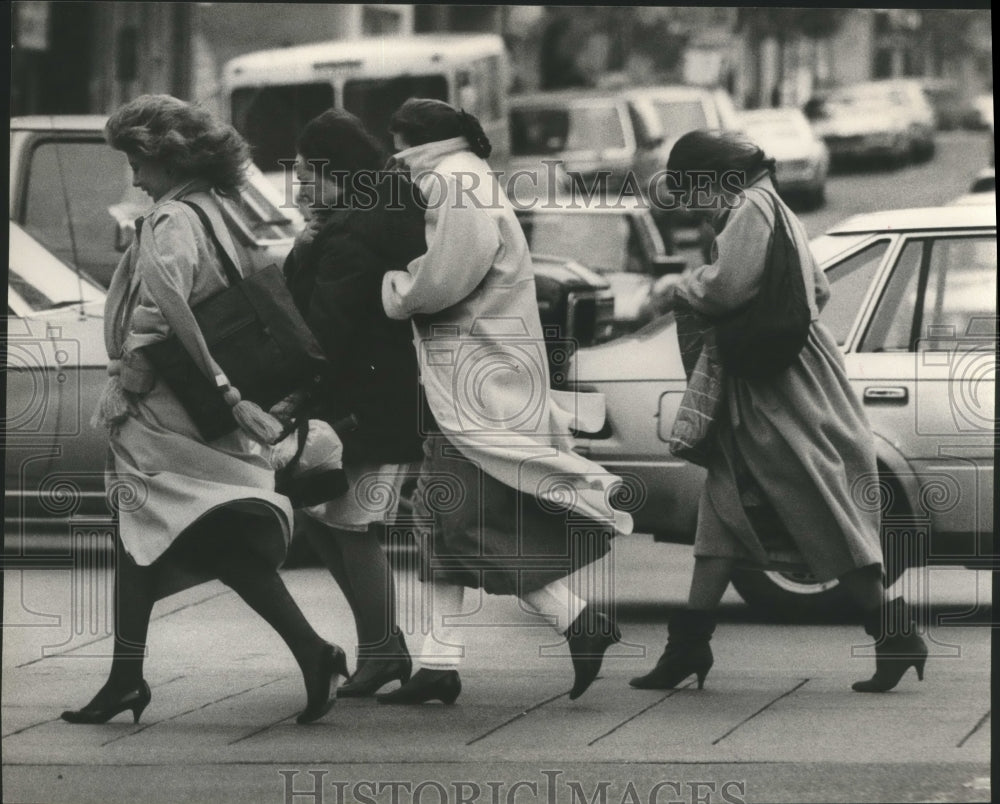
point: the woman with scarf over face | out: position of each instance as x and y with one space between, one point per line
509 507
364 222
202 509
787 450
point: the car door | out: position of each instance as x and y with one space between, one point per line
924 366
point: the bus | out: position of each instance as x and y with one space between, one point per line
271 94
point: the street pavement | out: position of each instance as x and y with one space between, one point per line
777 720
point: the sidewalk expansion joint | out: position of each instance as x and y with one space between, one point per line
768 705
516 717
260 730
189 711
111 636
975 728
641 712
57 719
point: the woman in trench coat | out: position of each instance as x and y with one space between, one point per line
195 508
789 451
511 508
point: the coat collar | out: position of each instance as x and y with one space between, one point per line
179 191
421 158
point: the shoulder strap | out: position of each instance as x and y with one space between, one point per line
233 275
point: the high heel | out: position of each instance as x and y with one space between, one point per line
426 685
897 647
332 662
97 711
589 636
687 652
374 674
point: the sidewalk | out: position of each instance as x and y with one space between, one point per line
225 692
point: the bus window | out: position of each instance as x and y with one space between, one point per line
271 117
375 99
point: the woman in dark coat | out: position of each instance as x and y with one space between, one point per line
789 452
364 223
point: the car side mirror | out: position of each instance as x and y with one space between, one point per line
124 235
668 265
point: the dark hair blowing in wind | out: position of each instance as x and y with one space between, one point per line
422 120
719 153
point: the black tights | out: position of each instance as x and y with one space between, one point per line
212 548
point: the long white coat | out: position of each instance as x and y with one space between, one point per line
479 340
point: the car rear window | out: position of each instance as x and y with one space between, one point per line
550 130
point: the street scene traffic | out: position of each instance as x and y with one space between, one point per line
536 212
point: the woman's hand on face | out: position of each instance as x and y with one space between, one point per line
312 229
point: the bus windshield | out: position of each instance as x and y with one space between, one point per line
375 99
271 117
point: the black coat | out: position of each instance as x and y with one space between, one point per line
336 281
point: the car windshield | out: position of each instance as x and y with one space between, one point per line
679 117
827 247
600 241
540 131
40 281
271 118
375 99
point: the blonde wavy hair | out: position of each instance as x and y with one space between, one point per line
182 136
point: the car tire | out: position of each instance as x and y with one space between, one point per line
793 596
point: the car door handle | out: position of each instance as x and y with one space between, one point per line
886 393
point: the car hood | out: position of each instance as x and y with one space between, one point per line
789 151
650 353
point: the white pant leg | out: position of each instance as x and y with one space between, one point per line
557 602
443 648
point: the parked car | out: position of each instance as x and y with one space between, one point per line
913 306
590 132
858 130
620 242
802 158
664 114
982 191
62 171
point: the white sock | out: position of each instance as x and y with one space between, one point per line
443 648
557 602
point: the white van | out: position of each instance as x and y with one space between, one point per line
272 94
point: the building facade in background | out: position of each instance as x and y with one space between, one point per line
79 57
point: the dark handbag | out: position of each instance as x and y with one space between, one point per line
766 335
690 437
255 333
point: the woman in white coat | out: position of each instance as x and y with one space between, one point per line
509 507
206 509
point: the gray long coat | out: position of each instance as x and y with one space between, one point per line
803 435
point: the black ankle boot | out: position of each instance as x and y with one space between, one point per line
588 637
110 702
426 685
378 669
687 651
897 647
320 682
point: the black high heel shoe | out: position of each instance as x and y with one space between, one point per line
898 647
332 662
99 711
590 635
687 652
426 685
375 673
